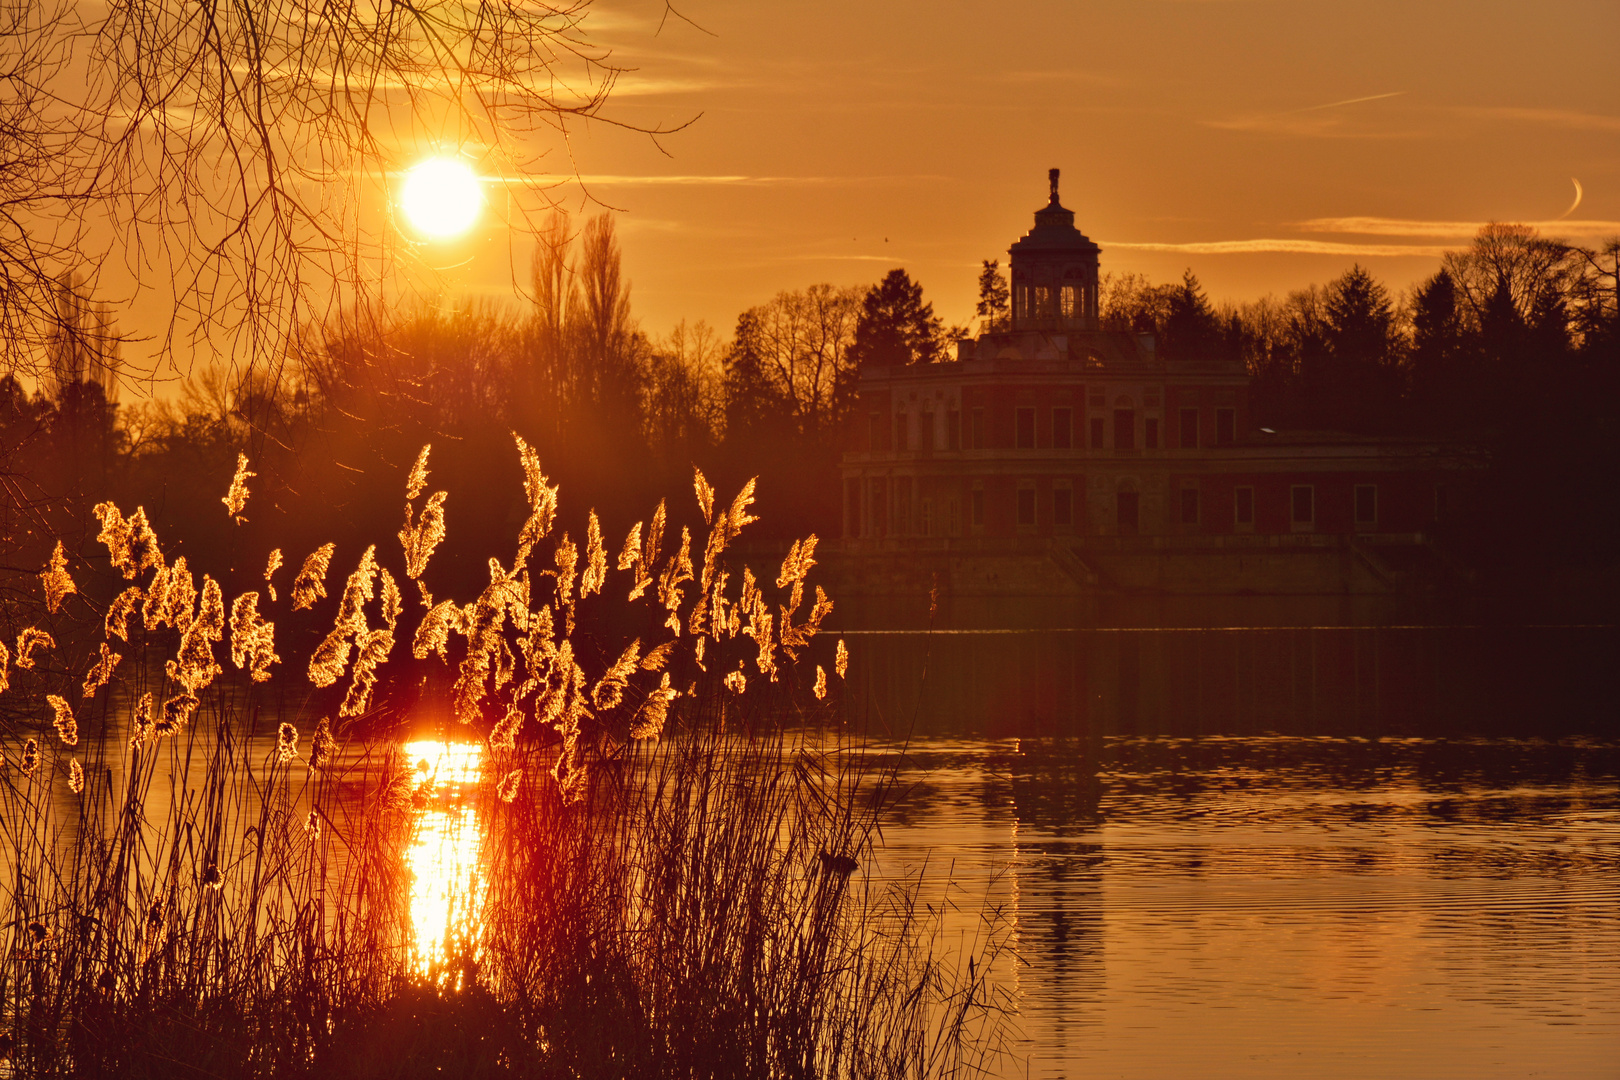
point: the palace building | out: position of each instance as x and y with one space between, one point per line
1059 460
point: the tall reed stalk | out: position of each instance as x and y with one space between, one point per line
675 838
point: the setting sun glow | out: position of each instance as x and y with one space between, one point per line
441 198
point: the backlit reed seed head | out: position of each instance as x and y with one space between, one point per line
67 728
286 742
697 653
374 647
419 540
677 572
630 554
211 877
821 682
58 585
270 567
5 668
181 598
142 721
75 777
323 746
649 722
566 558
736 681
657 658
194 667
253 641
705 495
312 825
30 756
595 574
542 498
609 690
114 536
310 584
236 498
504 734
737 516
119 611
177 711
416 480
841 659
98 676
508 787
800 558
154 610
433 632
392 602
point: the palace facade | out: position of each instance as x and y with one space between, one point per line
1125 471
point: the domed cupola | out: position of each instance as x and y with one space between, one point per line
1054 272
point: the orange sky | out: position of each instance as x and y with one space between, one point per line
840 139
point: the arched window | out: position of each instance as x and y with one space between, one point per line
1069 301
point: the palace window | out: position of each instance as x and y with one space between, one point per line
1026 429
1225 427
902 439
1189 506
1150 433
1189 429
1366 504
1302 504
1026 504
1124 429
1045 307
1069 299
979 435
1243 506
1062 429
1062 504
976 506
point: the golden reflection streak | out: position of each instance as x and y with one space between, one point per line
446 889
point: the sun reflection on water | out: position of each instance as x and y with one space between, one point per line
446 888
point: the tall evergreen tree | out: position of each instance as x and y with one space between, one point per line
1437 354
896 326
1192 330
995 298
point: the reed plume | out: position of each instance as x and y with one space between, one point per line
56 580
235 499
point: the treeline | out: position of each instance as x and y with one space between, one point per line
619 417
1510 351
1464 352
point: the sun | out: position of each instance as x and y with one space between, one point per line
441 198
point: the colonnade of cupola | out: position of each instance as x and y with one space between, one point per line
1054 272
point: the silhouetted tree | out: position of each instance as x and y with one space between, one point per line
1191 329
995 298
896 326
1437 355
1359 388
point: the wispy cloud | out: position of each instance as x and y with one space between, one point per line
712 180
1564 118
1458 230
1287 247
1328 120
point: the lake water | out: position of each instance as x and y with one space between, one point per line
1286 906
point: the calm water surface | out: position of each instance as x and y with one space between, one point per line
1290 907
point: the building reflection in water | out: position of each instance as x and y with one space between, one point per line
447 891
1058 870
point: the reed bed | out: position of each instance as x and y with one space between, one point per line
208 872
